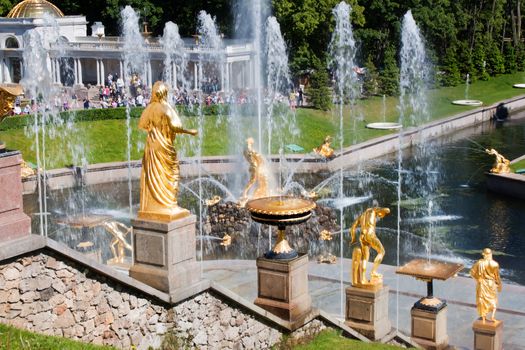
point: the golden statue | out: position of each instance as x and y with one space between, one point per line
324 149
367 240
325 235
213 201
486 273
8 95
226 240
159 181
119 232
502 165
257 174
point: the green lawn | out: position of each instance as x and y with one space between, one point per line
518 165
15 339
331 340
105 140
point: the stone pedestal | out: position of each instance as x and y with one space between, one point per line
282 287
429 328
367 311
164 253
488 335
14 223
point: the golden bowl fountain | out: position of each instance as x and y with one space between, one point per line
281 211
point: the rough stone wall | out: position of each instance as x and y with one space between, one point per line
48 294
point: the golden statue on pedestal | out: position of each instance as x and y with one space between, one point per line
119 232
325 149
8 95
502 164
488 283
367 240
257 174
159 181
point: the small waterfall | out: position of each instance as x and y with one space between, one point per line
467 83
342 51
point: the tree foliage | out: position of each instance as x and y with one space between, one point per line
319 95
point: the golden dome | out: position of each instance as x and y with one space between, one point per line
34 9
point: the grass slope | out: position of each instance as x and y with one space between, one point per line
106 140
16 339
331 340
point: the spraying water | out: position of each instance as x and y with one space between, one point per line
175 61
467 83
342 51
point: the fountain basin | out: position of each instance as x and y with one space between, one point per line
472 103
281 211
519 86
384 126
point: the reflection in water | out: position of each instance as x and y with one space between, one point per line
500 225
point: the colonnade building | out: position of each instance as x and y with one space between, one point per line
79 59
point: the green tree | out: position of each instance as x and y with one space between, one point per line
389 76
449 74
371 81
495 60
6 6
480 63
319 95
511 66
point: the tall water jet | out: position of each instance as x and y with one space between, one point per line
135 59
342 50
280 123
175 61
210 43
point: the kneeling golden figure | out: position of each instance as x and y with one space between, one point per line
367 240
159 181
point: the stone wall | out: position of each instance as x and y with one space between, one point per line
49 294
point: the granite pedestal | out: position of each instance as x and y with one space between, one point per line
14 223
367 311
488 335
429 328
282 287
165 254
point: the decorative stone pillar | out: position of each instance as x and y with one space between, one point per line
14 223
75 71
367 311
79 65
195 78
102 73
98 72
121 69
429 327
282 287
488 335
165 254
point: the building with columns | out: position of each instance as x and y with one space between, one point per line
79 59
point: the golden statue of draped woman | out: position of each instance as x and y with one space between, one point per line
258 176
502 164
367 239
159 181
488 283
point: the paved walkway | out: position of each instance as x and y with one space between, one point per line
240 276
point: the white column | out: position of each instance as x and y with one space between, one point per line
98 72
121 67
195 68
2 70
21 69
102 73
150 74
80 79
57 71
174 75
75 71
222 77
227 73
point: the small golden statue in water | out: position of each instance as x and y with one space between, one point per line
502 164
119 232
213 201
226 240
257 174
159 181
325 235
488 283
367 239
324 149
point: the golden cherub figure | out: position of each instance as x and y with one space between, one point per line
159 180
367 239
226 240
325 235
502 164
119 232
325 149
257 174
488 283
213 200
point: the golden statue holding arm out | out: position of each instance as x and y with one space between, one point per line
367 239
502 165
159 181
488 283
